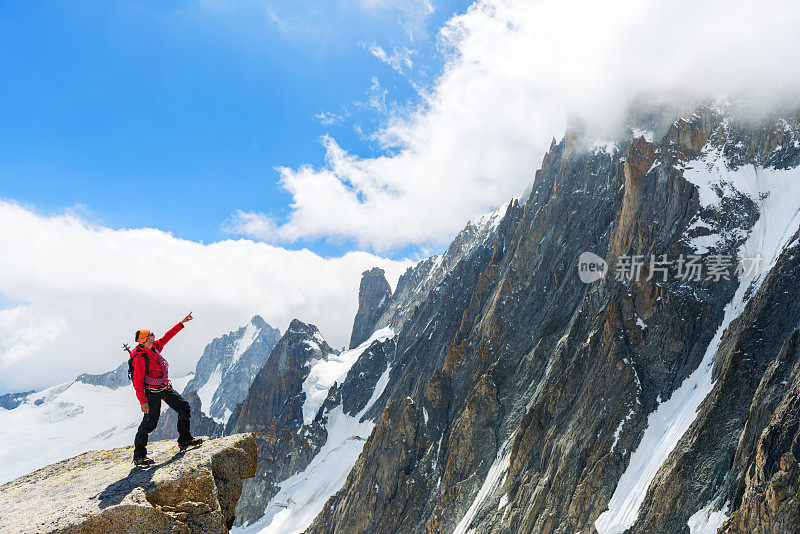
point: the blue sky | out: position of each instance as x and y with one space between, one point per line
139 115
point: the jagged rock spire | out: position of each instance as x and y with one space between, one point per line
373 293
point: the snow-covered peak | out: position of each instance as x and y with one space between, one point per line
228 365
489 221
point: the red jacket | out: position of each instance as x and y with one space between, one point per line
154 359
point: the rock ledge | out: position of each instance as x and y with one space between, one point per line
101 491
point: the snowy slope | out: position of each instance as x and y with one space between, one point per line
777 195
69 419
303 495
333 368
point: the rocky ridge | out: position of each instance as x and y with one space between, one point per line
9 401
116 378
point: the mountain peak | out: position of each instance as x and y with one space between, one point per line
261 324
299 327
225 370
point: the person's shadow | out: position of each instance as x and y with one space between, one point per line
139 477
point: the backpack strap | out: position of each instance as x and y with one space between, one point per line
134 353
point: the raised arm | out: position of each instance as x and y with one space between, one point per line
159 345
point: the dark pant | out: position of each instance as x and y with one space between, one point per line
150 420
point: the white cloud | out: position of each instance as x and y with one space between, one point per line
328 118
376 97
84 289
25 330
517 71
400 59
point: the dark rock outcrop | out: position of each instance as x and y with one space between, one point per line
102 492
373 293
9 401
114 379
768 499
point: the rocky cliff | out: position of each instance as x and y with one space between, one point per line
655 399
102 492
766 499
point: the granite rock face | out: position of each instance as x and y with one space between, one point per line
102 492
518 395
767 491
373 293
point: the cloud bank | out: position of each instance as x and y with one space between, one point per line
79 290
517 72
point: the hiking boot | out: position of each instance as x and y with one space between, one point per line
143 460
191 443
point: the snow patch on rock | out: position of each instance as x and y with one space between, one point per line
206 392
708 521
333 368
497 470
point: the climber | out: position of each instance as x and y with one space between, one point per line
150 374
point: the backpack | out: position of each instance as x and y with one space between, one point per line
133 353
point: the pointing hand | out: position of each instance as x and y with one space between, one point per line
187 318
